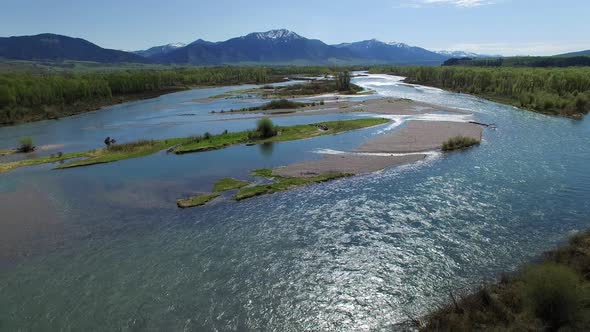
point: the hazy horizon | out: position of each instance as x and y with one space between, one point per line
505 27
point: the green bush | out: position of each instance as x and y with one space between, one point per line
458 142
265 128
26 144
553 293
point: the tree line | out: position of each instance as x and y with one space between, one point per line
522 61
28 96
555 91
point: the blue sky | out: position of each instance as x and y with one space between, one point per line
508 27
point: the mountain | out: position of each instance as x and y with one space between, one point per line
271 47
463 54
580 53
56 48
158 50
376 51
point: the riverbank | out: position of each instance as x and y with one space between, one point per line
567 94
551 295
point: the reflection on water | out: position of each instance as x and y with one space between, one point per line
355 254
266 148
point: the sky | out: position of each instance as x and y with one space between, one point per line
506 27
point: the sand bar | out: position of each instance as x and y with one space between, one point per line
419 136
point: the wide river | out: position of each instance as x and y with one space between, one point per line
105 248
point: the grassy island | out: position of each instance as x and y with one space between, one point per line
229 184
284 134
196 200
458 143
282 183
205 142
549 296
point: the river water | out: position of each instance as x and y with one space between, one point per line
105 247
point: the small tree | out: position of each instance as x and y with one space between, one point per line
265 128
26 144
343 81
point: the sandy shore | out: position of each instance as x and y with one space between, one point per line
347 163
388 106
419 136
416 137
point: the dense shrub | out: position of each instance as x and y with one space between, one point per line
265 128
553 292
458 142
26 144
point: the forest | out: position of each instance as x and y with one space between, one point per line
553 91
522 61
31 96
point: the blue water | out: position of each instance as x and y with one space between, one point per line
104 247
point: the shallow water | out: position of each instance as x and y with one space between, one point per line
105 246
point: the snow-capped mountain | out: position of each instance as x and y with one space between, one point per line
463 54
376 51
158 50
279 34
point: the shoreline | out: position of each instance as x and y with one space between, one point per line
547 294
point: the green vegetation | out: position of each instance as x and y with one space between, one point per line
196 200
26 145
31 91
26 96
283 134
7 152
458 142
313 88
554 91
280 104
59 158
207 142
282 183
229 184
523 61
553 295
343 81
123 151
265 129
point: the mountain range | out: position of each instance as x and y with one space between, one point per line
54 47
274 47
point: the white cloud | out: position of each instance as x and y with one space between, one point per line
456 3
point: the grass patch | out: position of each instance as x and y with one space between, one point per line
280 104
458 142
282 183
284 134
7 152
229 184
9 166
124 151
197 200
553 295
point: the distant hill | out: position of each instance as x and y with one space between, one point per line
274 47
159 50
57 48
271 47
376 51
580 53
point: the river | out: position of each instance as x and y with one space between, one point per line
104 247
